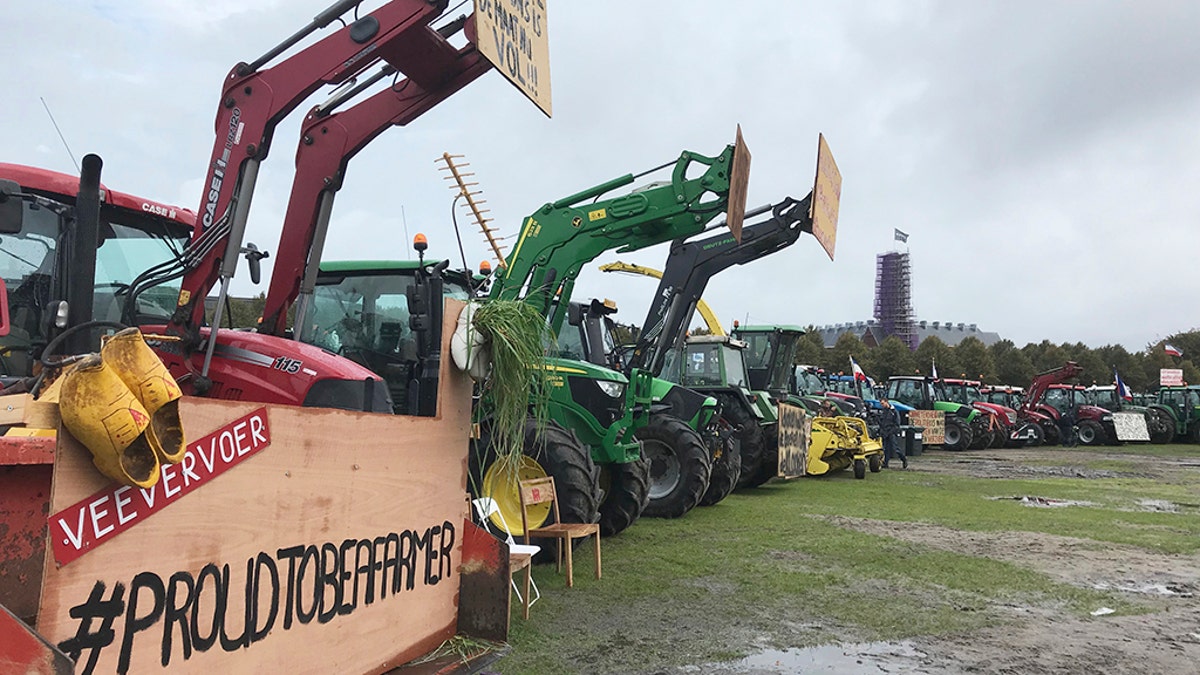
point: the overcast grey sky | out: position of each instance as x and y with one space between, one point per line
1042 155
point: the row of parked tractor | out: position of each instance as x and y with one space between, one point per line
981 416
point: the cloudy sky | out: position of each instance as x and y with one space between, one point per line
1042 155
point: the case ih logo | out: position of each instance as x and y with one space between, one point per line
219 166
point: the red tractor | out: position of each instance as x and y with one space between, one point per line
1047 402
1004 426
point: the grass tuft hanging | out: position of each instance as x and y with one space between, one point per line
517 386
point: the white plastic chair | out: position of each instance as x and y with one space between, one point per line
486 507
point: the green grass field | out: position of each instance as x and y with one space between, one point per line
769 568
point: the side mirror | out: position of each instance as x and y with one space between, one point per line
574 314
11 208
253 258
4 324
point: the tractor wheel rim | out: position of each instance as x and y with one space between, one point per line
953 437
665 470
500 483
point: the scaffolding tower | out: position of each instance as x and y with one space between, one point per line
893 297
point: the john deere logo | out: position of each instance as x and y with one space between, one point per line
576 221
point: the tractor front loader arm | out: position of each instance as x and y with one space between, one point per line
327 143
563 236
255 99
1037 389
692 263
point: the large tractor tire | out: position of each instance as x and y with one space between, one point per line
1000 436
1039 436
626 490
958 434
726 467
1051 434
1091 433
768 462
1161 426
981 436
680 466
860 469
550 451
749 435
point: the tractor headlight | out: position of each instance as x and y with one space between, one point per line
1106 418
612 389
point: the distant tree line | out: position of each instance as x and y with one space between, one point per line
1003 362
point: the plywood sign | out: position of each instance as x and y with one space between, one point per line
826 198
1131 426
513 36
934 422
1170 377
795 430
331 545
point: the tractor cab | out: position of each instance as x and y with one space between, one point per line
708 361
807 381
589 334
1183 404
770 355
361 310
40 254
927 393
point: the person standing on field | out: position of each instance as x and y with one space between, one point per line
889 432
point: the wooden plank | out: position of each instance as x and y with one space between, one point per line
22 410
795 433
826 198
934 422
334 549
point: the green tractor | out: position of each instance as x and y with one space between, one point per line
715 365
925 393
592 443
1160 419
681 463
1183 404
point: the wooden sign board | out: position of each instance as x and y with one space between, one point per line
1170 377
1131 426
513 36
739 187
334 548
826 198
795 431
934 422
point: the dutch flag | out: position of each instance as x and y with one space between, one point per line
1168 348
1122 389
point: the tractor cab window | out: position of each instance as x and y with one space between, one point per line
1059 399
702 366
908 392
758 350
569 344
131 243
27 262
972 394
365 317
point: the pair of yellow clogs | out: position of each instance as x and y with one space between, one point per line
123 405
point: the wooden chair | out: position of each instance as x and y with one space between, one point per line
520 556
540 491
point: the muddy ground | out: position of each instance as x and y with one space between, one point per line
1040 640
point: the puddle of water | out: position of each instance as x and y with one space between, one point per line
865 658
1160 505
1148 588
1045 502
